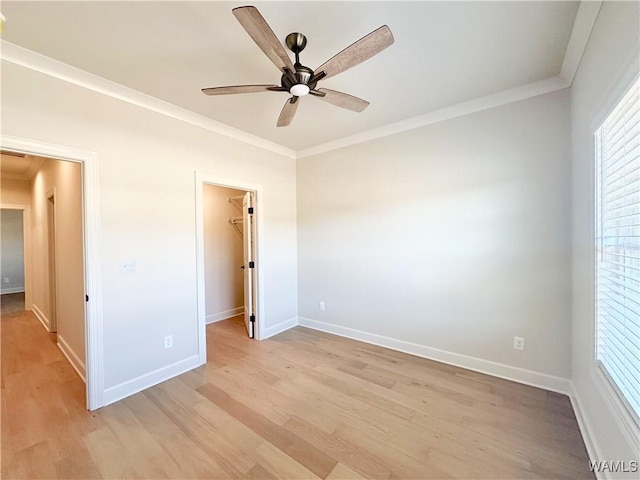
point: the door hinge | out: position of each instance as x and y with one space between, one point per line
86 298
252 318
252 264
250 210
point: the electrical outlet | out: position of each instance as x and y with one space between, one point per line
518 343
6 279
127 266
321 306
168 341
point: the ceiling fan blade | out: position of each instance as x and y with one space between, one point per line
343 100
287 113
238 89
358 52
259 30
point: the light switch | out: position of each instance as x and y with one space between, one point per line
127 266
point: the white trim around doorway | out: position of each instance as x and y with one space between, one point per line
92 239
202 179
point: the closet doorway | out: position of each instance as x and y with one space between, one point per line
229 255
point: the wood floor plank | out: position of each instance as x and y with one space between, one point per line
350 455
137 440
258 472
342 472
232 460
281 465
375 395
369 375
77 466
112 460
400 464
256 394
303 452
36 462
182 449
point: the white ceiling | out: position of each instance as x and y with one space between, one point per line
444 53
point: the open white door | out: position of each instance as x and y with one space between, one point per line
248 264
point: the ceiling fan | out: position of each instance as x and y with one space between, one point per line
298 79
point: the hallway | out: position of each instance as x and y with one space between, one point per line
43 403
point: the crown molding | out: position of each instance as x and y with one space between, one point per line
580 33
465 108
40 63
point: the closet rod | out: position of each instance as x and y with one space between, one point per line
234 220
237 197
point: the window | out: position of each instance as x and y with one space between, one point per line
618 248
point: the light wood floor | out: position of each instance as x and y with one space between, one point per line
301 405
11 303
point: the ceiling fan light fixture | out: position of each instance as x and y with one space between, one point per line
299 90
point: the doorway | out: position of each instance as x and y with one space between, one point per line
13 258
228 237
86 247
54 190
229 256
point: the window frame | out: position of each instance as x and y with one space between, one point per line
625 412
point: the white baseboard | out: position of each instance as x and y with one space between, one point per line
5 291
77 364
135 385
217 317
42 317
500 370
618 415
279 328
585 430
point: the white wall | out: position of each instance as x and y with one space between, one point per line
65 178
11 251
224 294
15 192
608 66
147 163
454 237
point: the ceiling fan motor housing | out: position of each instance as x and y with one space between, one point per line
303 75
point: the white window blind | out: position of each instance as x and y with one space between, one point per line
618 248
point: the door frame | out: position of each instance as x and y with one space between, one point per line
94 344
249 278
202 179
52 253
26 245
